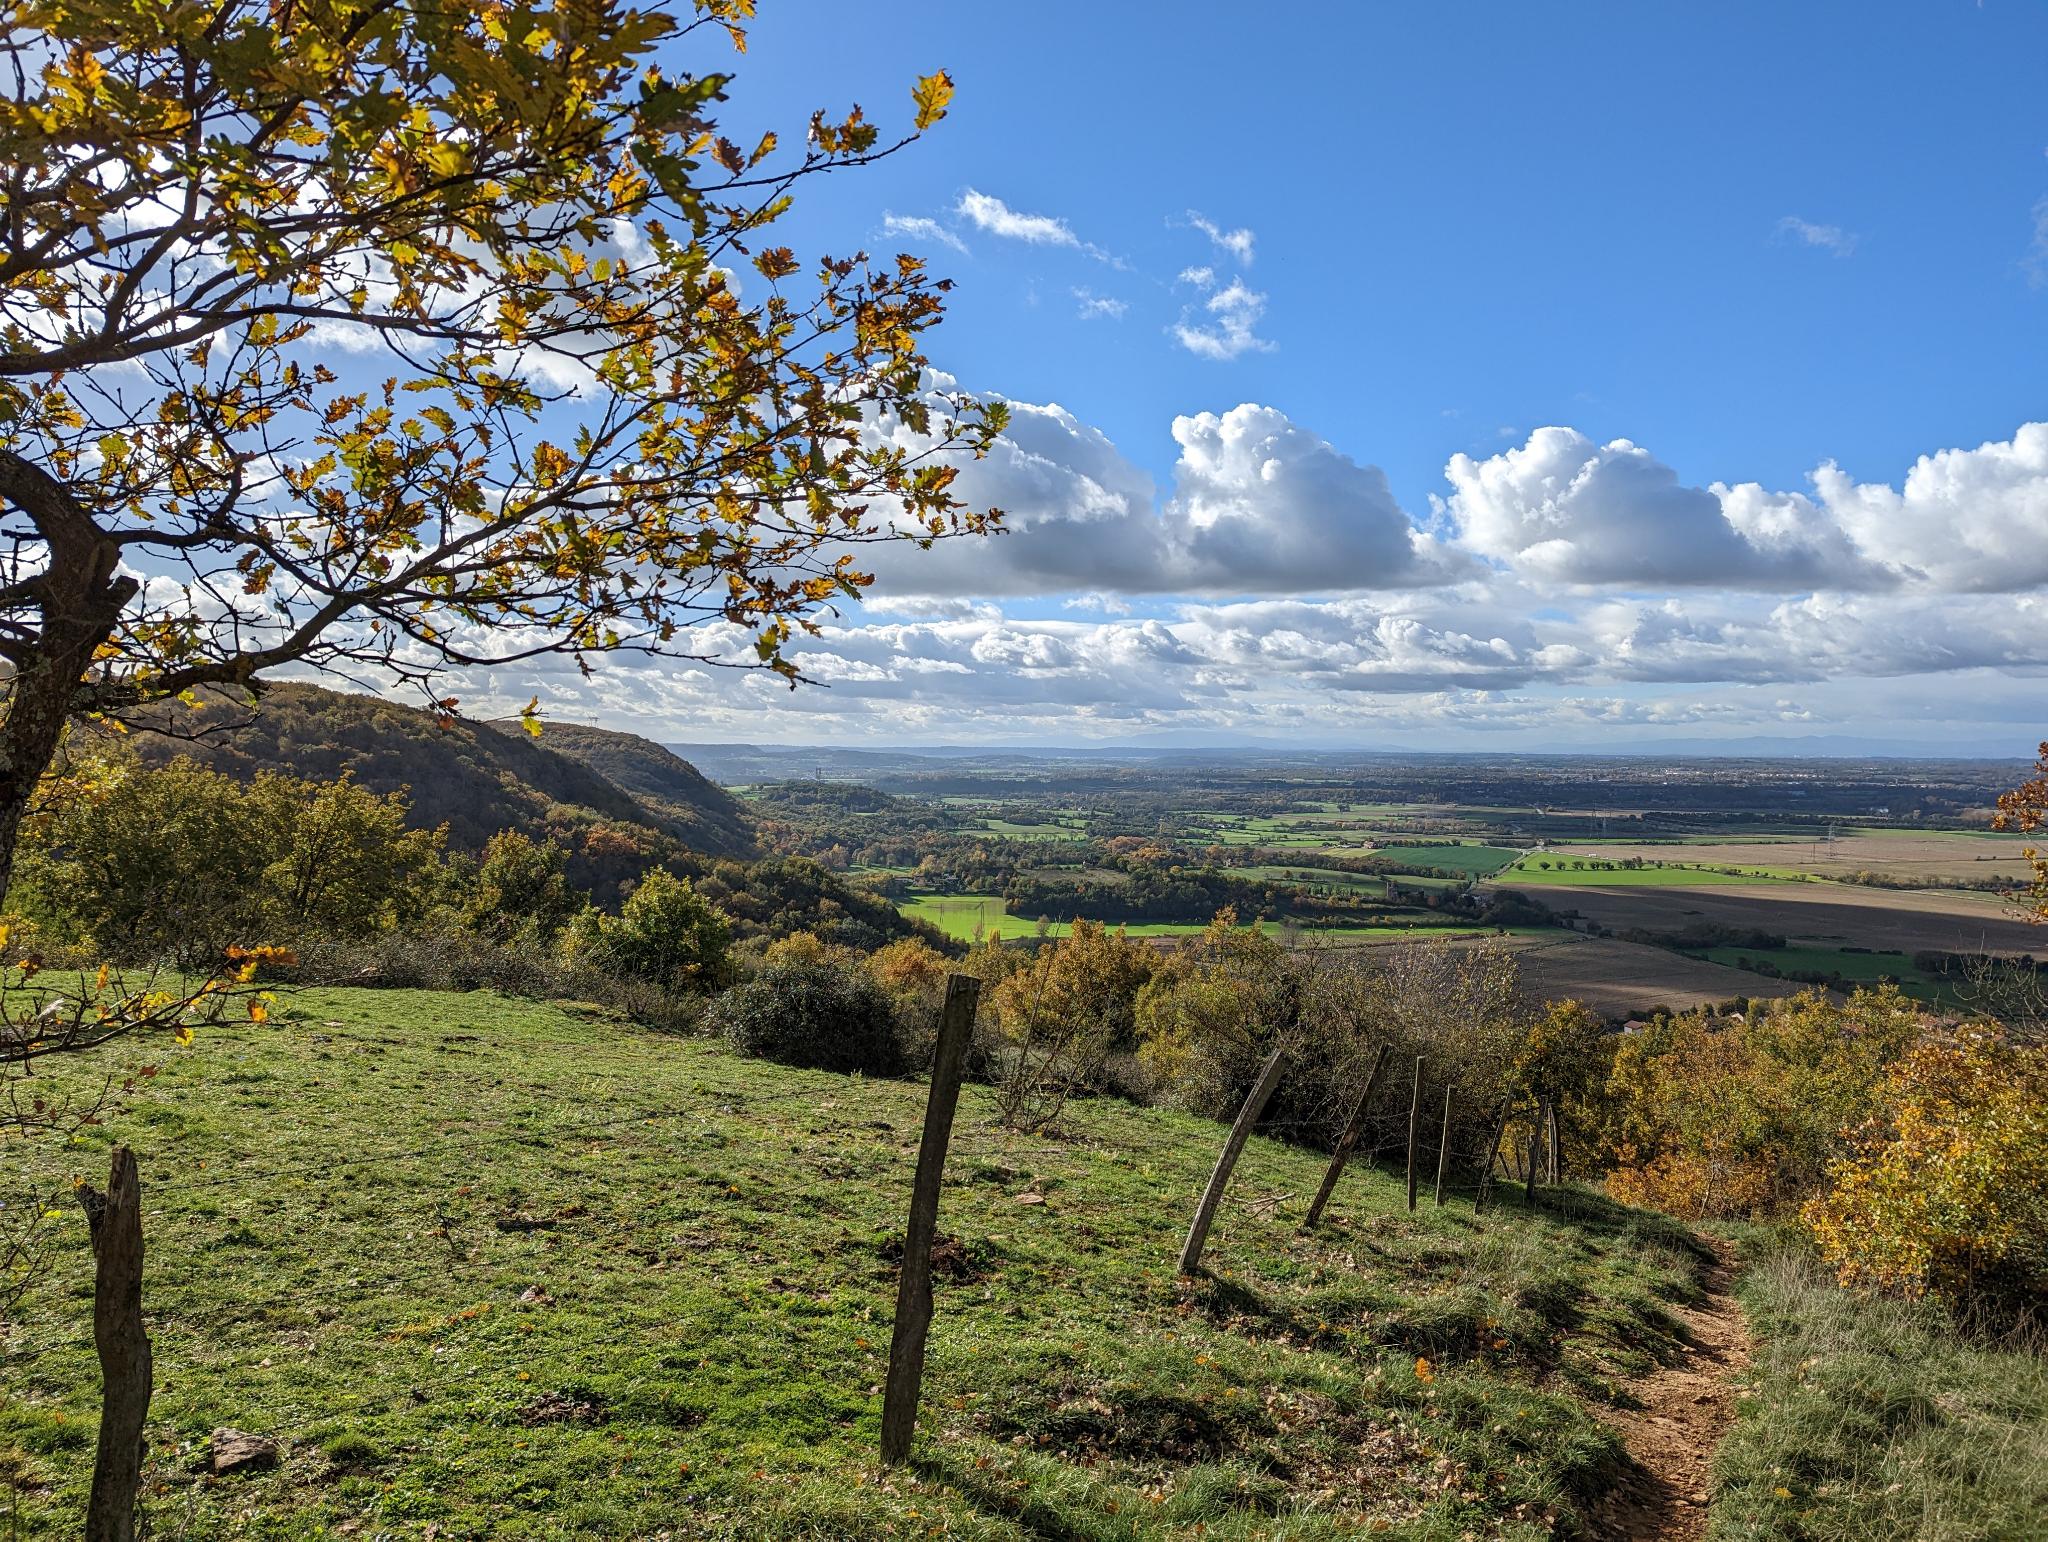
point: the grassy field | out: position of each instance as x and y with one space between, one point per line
1861 967
1478 860
1872 1421
965 916
491 1268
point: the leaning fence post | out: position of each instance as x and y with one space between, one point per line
914 1288
1240 1132
1490 1160
126 1371
1414 1114
1346 1143
1443 1145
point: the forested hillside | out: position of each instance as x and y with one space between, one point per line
476 778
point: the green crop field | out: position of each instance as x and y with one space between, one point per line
498 1269
1477 860
965 915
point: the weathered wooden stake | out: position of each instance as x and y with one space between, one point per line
1346 1143
1550 1126
914 1289
1443 1146
1414 1115
126 1370
1240 1132
1529 1179
1490 1161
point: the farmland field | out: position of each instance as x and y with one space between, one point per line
1910 854
1550 870
1904 920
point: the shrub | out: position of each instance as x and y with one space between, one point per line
812 1015
1945 1189
666 934
1741 1116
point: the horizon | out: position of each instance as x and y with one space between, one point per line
1627 447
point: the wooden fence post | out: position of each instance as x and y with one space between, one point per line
126 1370
1529 1178
1414 1115
1443 1145
1556 1174
914 1288
1490 1160
1240 1132
1346 1143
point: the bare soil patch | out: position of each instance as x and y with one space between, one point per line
1686 1408
1902 920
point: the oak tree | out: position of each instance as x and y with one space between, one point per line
389 336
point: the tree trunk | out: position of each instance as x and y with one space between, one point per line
1240 1132
125 1366
80 594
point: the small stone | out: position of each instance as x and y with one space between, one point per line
239 1451
1029 1199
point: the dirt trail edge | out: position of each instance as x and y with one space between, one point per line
1687 1406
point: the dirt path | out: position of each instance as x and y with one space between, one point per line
1686 1408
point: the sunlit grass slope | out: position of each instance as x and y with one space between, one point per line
490 1268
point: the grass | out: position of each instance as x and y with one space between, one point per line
1477 860
1863 967
1873 1421
495 1268
964 916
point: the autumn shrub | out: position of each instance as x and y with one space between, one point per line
181 862
1212 1012
1741 1115
665 933
1058 1022
812 1015
1944 1190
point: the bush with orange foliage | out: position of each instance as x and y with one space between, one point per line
1944 1191
1741 1115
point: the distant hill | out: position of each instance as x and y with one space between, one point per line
476 778
698 811
480 778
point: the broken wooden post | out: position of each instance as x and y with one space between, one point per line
914 1288
1414 1115
1346 1143
1443 1145
126 1371
1240 1132
1556 1168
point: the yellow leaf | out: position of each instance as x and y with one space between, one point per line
930 95
183 1035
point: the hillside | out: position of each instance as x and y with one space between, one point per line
519 1270
686 802
476 778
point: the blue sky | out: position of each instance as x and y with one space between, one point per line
1752 241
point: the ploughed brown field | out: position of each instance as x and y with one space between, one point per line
1613 977
1902 920
1927 856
